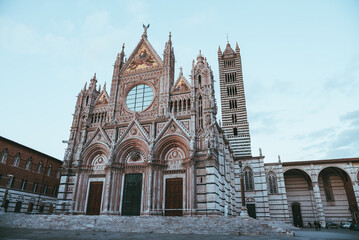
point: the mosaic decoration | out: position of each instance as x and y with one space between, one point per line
143 59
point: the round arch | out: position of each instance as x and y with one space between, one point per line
94 150
167 143
134 143
338 195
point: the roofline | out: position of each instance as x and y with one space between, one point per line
28 148
341 160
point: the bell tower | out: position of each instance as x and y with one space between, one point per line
234 111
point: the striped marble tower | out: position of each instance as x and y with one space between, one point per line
234 112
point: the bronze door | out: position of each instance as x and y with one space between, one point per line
94 198
131 202
174 197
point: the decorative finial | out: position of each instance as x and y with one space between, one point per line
104 87
181 72
279 158
123 46
260 152
94 76
227 38
169 37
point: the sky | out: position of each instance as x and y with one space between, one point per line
300 64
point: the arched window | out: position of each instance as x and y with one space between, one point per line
49 170
17 160
39 167
87 100
200 109
28 163
272 183
235 132
199 80
248 179
4 155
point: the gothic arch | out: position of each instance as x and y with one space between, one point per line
129 145
94 150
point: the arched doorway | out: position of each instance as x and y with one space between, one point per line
300 197
297 214
338 198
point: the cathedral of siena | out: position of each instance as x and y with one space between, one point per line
152 146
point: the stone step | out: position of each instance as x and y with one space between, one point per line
219 225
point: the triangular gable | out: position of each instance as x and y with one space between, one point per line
135 129
173 126
99 136
143 57
103 98
181 86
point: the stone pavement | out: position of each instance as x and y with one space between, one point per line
40 234
218 225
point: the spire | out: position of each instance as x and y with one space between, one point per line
104 87
219 50
181 72
93 82
228 50
200 57
85 86
169 38
237 47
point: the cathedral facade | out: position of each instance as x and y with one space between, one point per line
151 145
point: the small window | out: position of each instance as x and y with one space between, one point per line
272 184
17 160
234 118
11 181
45 189
23 184
235 132
39 167
54 191
4 155
34 187
49 170
28 164
199 80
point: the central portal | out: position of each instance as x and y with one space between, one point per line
131 205
174 197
